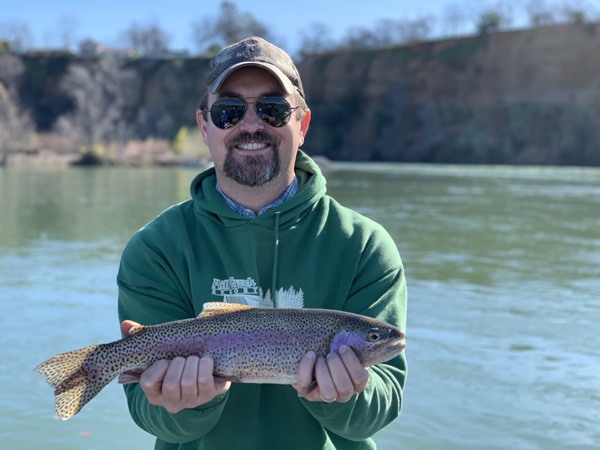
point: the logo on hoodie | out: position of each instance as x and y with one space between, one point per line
247 292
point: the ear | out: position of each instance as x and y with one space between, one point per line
202 126
304 123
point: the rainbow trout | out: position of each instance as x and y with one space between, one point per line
249 345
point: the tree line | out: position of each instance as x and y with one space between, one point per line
95 88
230 24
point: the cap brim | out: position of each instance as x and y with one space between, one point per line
285 82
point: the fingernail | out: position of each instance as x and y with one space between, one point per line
311 355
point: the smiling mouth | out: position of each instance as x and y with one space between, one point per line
252 146
260 140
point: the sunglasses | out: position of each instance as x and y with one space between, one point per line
227 112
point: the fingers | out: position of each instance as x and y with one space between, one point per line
151 380
327 389
171 394
338 377
189 378
358 374
182 383
305 380
207 381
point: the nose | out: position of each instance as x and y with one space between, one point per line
251 122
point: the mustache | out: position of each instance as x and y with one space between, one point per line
258 137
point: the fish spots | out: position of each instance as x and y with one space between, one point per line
250 345
93 375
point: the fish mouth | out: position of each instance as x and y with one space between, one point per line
386 352
395 346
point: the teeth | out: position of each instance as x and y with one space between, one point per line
252 146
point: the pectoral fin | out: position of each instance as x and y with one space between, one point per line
131 376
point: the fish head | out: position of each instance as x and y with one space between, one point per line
373 342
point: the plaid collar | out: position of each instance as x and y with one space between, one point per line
248 213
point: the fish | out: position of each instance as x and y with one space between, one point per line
248 345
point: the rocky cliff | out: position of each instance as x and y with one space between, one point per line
524 97
519 97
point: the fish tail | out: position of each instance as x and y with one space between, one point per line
76 378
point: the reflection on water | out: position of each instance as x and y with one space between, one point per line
84 204
503 267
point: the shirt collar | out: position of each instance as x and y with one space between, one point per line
289 192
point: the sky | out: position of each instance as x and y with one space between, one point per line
104 21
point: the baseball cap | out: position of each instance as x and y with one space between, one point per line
254 51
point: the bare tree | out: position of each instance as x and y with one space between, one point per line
315 38
454 19
11 68
411 31
539 14
578 12
490 22
16 126
17 34
362 38
89 47
148 40
67 30
229 26
574 15
96 93
388 32
506 8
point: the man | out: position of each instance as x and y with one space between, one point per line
260 229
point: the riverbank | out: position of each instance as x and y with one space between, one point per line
135 153
519 97
166 158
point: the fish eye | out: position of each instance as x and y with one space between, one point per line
373 335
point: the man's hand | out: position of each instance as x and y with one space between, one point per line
180 383
338 376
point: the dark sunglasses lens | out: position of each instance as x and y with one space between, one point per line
275 111
226 112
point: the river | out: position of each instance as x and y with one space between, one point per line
503 269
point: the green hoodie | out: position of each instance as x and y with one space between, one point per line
313 253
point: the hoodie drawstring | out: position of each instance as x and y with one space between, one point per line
275 261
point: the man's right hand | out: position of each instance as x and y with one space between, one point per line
180 383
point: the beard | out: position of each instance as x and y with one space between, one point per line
252 170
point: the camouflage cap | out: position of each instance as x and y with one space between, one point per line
254 51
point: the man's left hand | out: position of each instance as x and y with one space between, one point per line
338 377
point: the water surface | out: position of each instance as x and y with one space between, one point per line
503 266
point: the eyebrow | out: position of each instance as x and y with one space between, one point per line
233 94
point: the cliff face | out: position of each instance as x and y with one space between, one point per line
518 97
156 96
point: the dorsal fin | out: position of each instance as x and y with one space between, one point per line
135 329
213 309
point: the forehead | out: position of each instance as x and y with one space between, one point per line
251 81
